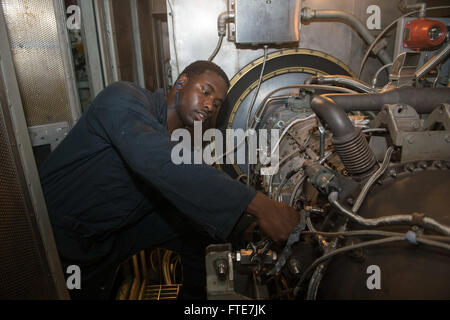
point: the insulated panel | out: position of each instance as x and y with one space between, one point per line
23 271
38 59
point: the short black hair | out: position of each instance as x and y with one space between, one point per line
200 66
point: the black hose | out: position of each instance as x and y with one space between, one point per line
423 100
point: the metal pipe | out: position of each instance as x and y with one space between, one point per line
388 220
333 114
433 62
257 119
370 233
308 14
286 130
348 141
375 78
341 80
322 138
423 100
262 107
222 21
372 179
288 157
361 245
247 122
422 7
294 193
216 50
257 88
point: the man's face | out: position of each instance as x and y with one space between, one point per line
200 96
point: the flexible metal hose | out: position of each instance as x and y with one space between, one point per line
216 50
353 83
362 245
372 179
428 223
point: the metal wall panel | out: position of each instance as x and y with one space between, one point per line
23 272
193 34
29 262
36 35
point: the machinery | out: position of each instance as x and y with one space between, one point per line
362 151
366 167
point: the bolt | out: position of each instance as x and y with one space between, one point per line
393 173
415 125
294 266
410 167
350 201
423 165
438 164
221 267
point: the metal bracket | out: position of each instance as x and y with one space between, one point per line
404 68
231 26
416 136
51 134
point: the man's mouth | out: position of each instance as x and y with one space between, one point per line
200 116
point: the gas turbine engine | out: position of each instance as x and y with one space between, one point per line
368 171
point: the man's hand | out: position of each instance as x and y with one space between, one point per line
276 219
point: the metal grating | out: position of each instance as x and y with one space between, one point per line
37 55
160 292
22 274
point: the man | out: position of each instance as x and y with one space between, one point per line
112 190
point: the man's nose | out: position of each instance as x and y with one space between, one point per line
209 105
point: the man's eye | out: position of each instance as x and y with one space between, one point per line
205 92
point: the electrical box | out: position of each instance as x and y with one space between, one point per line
267 21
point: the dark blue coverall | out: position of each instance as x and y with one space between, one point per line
112 190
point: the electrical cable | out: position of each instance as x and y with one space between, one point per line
249 174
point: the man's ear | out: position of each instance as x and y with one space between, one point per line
182 81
